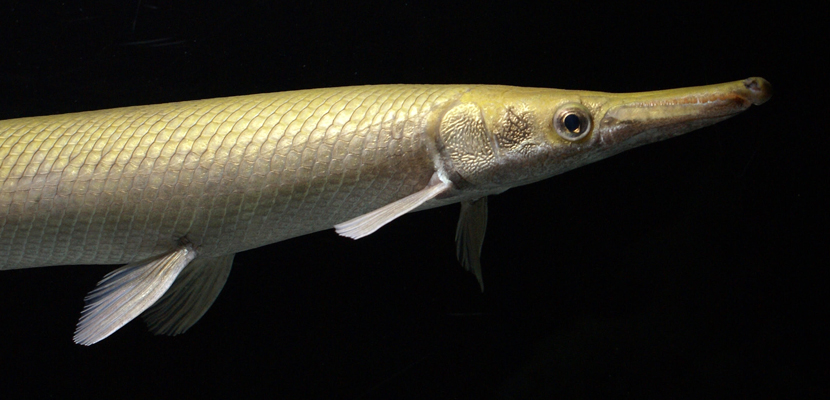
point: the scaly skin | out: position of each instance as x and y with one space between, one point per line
230 174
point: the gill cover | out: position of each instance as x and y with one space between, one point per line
465 143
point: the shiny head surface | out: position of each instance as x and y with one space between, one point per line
496 137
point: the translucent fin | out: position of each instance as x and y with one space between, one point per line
366 224
125 293
190 296
469 236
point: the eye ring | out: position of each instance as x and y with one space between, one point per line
572 122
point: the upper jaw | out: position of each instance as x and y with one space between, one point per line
645 117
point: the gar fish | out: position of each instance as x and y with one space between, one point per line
175 190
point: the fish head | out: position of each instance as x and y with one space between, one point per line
497 137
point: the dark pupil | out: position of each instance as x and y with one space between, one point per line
572 123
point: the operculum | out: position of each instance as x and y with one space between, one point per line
466 144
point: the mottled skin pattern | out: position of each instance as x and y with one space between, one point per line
228 174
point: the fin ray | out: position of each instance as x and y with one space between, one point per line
469 236
190 296
368 223
125 293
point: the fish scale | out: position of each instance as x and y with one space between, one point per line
116 186
176 190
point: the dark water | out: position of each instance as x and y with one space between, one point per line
690 267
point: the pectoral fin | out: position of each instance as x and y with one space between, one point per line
190 296
125 293
469 236
366 224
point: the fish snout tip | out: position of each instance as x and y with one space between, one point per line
760 90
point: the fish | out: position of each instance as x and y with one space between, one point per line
173 191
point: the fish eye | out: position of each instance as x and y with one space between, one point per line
572 122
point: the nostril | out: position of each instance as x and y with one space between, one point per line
759 88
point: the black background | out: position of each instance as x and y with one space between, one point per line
689 267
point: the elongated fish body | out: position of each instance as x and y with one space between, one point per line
230 174
189 184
